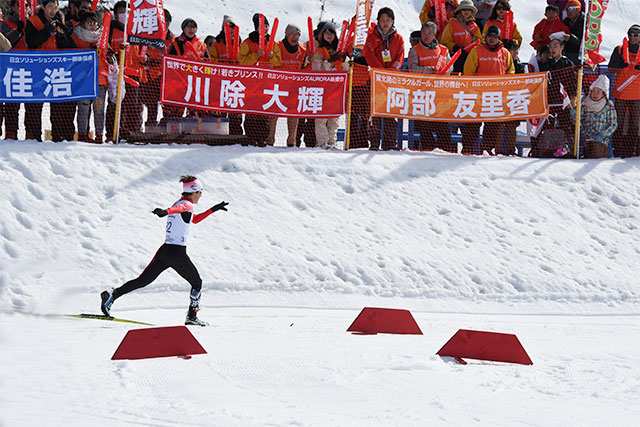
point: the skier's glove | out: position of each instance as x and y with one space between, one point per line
219 206
160 212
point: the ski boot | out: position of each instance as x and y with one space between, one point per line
192 318
107 302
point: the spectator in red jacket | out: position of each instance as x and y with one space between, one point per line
549 25
384 48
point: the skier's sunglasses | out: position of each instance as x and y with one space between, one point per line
633 34
573 8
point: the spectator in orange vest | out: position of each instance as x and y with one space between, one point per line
13 29
293 56
547 26
429 57
461 33
256 126
626 90
86 35
497 18
489 59
384 48
218 50
46 30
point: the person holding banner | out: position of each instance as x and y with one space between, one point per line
429 57
13 29
293 57
45 30
490 58
384 48
251 53
462 34
503 19
625 63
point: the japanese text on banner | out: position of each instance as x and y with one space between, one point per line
48 76
254 90
459 98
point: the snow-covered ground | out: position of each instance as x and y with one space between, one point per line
545 249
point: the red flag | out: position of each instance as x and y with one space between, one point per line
95 4
625 50
312 41
146 25
470 46
22 11
236 43
34 4
227 40
343 34
103 42
508 25
272 38
350 36
441 14
449 64
261 31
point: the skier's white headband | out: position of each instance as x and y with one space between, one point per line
192 186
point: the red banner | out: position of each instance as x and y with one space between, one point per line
593 36
254 90
146 26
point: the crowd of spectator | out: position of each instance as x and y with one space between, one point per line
483 33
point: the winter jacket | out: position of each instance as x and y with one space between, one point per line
576 31
427 59
292 56
515 35
625 73
455 35
544 29
41 34
489 61
193 49
600 125
9 29
248 54
376 43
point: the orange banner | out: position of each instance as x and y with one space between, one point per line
458 98
363 18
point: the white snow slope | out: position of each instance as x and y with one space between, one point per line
544 249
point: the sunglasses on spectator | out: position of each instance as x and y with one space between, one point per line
501 8
633 34
92 23
573 8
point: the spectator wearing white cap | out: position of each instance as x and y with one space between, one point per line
598 118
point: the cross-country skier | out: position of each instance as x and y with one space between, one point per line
173 254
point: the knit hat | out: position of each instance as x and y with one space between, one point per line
187 22
558 35
603 83
635 28
229 20
292 28
467 4
192 186
574 3
493 30
330 26
256 21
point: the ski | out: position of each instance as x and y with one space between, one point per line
103 317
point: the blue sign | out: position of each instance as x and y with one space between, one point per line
41 76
